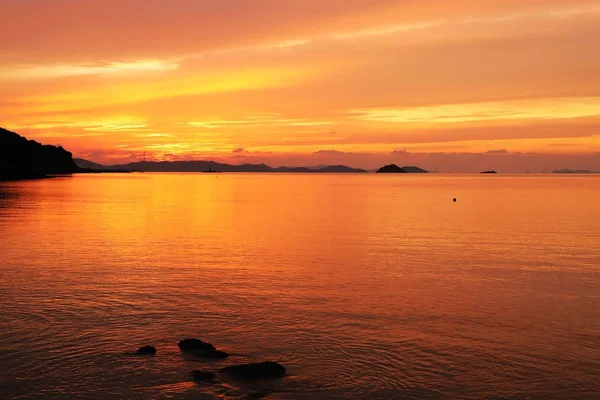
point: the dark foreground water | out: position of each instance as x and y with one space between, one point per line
363 286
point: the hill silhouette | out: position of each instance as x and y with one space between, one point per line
391 169
574 171
201 165
21 158
81 163
27 159
411 169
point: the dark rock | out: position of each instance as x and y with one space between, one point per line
146 350
210 353
195 345
263 370
391 169
204 376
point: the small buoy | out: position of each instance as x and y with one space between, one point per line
454 199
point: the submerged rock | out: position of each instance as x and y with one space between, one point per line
204 376
263 370
146 350
211 353
195 344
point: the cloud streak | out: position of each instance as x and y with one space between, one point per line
98 68
561 108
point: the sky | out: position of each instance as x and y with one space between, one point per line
457 86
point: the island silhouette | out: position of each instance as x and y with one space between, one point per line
394 169
21 158
212 167
390 169
210 170
27 159
574 171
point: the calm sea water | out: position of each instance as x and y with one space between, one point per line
363 286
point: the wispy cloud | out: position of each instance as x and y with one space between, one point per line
123 93
117 127
257 121
559 108
107 125
386 30
62 135
153 135
285 44
98 68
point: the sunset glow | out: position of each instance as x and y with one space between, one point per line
307 82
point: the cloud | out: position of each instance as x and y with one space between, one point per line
501 151
548 108
108 156
272 75
97 68
238 150
71 28
118 94
385 30
257 120
100 125
339 153
64 135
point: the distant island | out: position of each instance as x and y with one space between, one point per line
211 171
206 166
21 158
411 169
394 169
491 171
27 159
574 171
81 163
390 169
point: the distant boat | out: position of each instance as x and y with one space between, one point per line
491 171
210 170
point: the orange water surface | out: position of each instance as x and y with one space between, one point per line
362 286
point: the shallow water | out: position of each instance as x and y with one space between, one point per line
363 286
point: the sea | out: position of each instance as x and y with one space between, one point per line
363 286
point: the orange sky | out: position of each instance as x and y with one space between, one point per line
459 85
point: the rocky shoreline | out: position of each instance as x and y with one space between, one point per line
250 371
